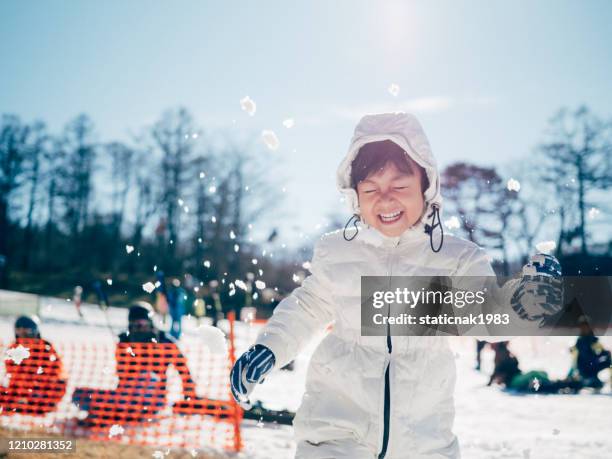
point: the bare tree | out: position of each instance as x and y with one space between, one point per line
77 184
472 192
173 136
577 162
38 146
13 154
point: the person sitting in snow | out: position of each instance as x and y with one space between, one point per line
589 357
378 396
37 382
143 357
508 374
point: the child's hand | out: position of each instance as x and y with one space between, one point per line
540 291
250 369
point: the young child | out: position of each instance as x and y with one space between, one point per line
373 396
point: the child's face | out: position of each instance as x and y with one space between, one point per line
393 194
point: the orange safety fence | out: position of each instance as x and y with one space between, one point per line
138 393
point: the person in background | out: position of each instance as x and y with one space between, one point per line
37 381
143 357
589 357
176 305
508 374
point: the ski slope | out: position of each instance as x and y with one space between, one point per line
490 423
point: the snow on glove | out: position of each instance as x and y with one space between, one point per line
250 369
540 291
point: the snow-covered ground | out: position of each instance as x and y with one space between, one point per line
489 423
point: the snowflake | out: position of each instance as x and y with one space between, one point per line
306 265
296 278
593 213
546 246
289 123
394 89
40 371
129 248
270 139
18 354
109 281
254 261
260 284
212 189
260 423
181 202
158 454
513 185
452 223
130 351
248 105
236 247
206 263
240 284
115 429
536 384
202 175
148 287
213 219
232 234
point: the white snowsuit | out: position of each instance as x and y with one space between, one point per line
343 413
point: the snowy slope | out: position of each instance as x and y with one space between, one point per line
489 423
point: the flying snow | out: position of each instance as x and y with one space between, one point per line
593 213
115 429
213 339
513 185
18 354
394 89
452 223
260 284
270 139
546 246
248 105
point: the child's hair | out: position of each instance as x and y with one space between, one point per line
374 156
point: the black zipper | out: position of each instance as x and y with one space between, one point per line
387 415
387 411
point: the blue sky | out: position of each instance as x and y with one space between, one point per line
483 77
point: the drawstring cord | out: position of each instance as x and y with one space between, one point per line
429 229
357 218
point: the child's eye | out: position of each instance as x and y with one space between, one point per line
401 187
369 191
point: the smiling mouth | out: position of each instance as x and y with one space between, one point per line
390 217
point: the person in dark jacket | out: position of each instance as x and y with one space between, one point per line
37 382
589 357
143 355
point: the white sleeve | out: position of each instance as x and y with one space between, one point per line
298 317
477 264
